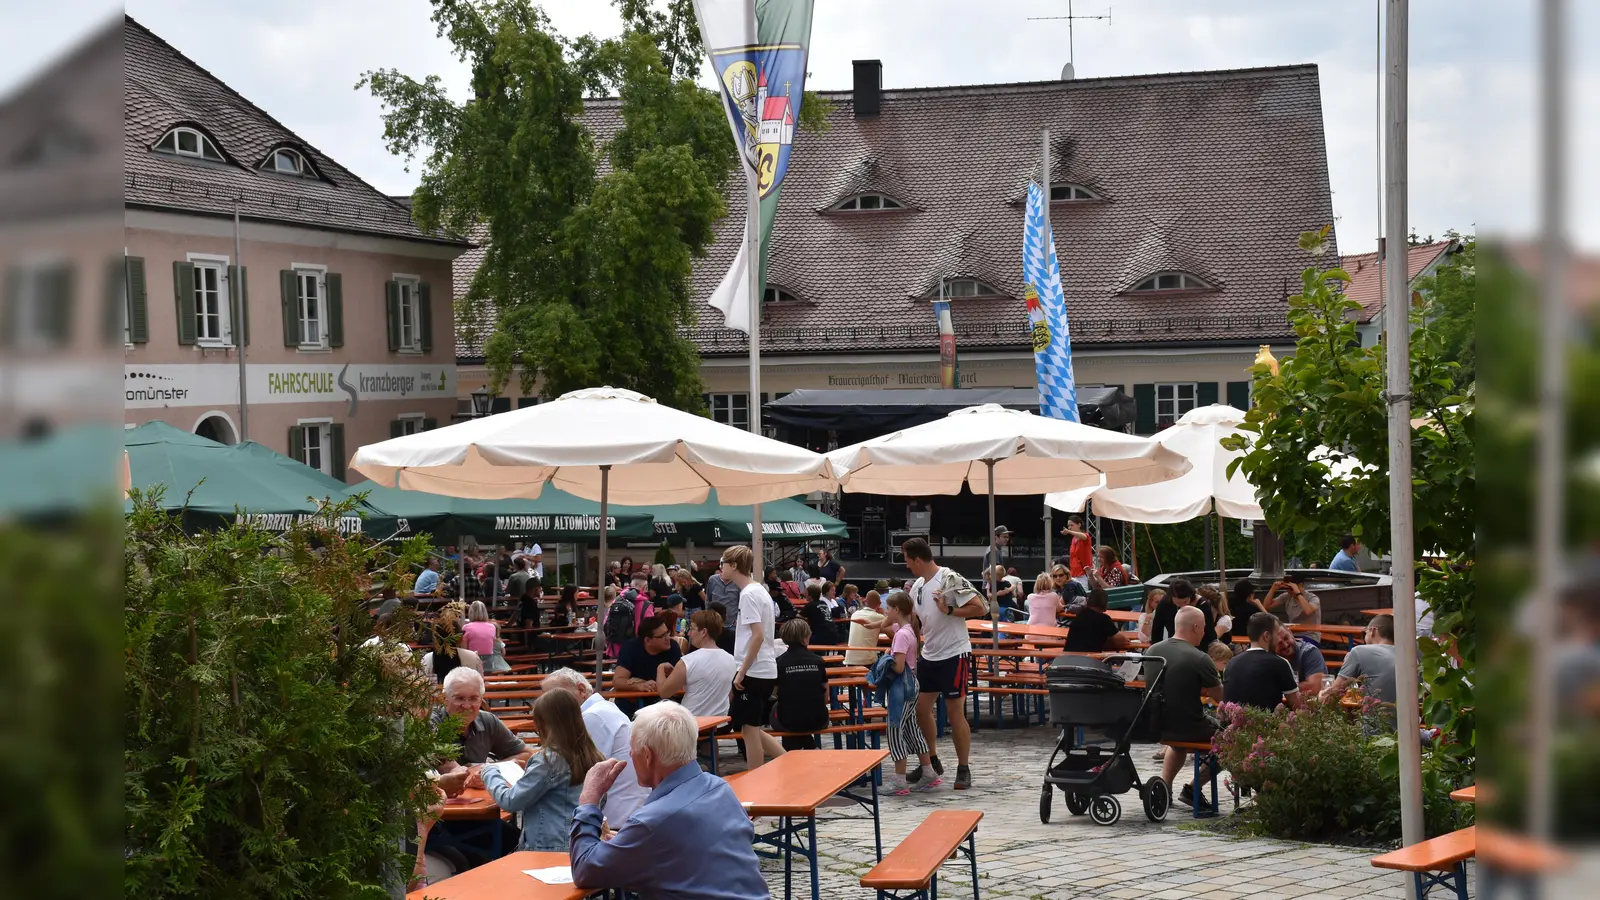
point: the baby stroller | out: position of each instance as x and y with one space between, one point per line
1087 692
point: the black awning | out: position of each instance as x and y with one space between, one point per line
889 410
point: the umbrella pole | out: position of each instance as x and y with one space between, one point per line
599 640
994 560
1222 556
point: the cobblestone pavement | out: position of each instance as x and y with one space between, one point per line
1072 857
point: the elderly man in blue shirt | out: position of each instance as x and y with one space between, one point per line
428 582
691 838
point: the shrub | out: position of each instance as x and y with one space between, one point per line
268 753
1321 774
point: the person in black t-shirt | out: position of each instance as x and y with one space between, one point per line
802 688
725 639
1180 592
1259 677
640 659
1092 631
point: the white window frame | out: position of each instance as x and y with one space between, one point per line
979 289
411 423
1186 282
201 143
319 273
303 169
30 329
1075 192
777 295
723 408
224 299
323 429
410 287
1173 401
881 203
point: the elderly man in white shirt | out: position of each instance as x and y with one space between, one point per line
610 729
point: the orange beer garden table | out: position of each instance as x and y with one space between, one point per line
504 877
793 786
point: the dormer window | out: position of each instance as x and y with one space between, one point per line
286 161
183 141
1171 281
967 287
778 295
1065 192
869 203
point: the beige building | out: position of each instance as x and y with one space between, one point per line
345 329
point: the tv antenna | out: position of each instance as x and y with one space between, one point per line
1069 18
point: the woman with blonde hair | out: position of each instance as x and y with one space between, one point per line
1045 605
481 635
547 793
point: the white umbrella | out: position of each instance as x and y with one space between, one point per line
604 444
1001 451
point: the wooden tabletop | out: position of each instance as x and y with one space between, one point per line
709 724
1377 612
1116 615
504 878
1356 630
1468 794
982 626
474 803
799 781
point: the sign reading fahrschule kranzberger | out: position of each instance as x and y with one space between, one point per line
157 386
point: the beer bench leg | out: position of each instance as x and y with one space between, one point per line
1202 808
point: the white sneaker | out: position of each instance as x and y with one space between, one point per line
926 784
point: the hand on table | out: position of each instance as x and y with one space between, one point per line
455 781
647 686
599 780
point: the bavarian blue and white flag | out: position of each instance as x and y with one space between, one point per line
1047 312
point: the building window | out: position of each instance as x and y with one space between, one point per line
966 287
188 142
1172 401
211 307
317 446
410 310
730 409
312 306
1064 192
1171 281
869 203
409 424
285 161
39 305
778 295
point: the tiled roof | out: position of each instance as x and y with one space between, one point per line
165 88
1366 275
1216 172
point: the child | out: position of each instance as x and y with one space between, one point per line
1044 604
1147 619
547 793
1220 654
905 735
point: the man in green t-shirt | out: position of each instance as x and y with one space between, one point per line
1188 675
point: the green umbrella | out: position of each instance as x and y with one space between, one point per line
65 473
214 484
555 516
711 522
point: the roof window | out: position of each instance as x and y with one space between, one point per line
286 161
184 141
1065 192
869 203
1171 281
966 287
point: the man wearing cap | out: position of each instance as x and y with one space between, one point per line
995 555
537 552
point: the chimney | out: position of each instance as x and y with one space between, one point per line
868 91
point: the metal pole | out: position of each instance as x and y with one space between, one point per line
1398 334
1549 511
1044 185
577 576
1222 555
753 235
994 560
237 290
1049 534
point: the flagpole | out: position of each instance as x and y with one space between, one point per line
753 236
1044 184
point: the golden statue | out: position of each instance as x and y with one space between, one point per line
1265 358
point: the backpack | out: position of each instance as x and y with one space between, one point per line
618 627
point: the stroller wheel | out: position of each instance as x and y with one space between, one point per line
1077 804
1044 805
1105 810
1157 799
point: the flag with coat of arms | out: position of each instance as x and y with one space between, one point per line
1047 311
758 54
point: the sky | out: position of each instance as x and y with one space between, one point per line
1472 149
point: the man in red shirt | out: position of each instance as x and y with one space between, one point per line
1080 556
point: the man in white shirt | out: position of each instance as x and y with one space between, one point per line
610 729
943 601
537 552
754 647
705 675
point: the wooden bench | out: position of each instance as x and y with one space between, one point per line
1202 754
1021 699
911 870
1436 861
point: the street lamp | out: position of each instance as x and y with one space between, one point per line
480 403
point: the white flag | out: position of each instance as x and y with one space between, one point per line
731 24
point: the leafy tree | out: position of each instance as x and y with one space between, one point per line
588 273
1452 293
268 753
1325 411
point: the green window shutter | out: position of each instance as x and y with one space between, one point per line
290 289
8 315
391 294
430 424
138 301
297 443
425 315
243 273
1239 395
335 291
1205 393
183 293
394 428
1144 402
336 441
59 297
